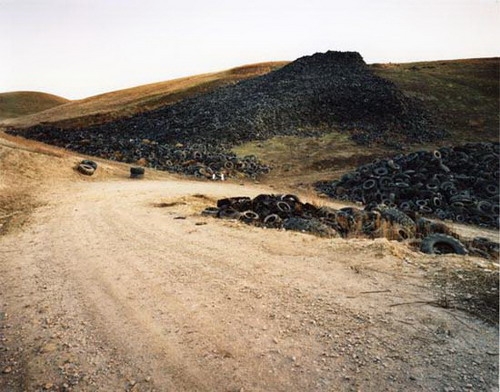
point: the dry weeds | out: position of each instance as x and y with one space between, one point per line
474 290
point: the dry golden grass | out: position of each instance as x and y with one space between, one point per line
298 162
22 103
127 102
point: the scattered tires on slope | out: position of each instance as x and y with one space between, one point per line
452 183
378 221
90 163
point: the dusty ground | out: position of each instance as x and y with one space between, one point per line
116 285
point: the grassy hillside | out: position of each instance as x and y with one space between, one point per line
462 94
123 103
22 103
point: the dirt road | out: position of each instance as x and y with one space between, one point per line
123 285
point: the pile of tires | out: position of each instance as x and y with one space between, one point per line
455 183
202 160
287 212
274 211
308 97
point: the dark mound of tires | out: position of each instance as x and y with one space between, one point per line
308 97
455 183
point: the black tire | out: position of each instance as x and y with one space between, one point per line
235 202
228 213
492 189
369 184
380 171
86 169
249 216
484 207
197 155
406 206
136 172
290 198
437 155
90 163
210 211
393 165
394 215
272 220
283 206
442 244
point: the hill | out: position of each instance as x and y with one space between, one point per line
462 95
22 103
315 94
125 103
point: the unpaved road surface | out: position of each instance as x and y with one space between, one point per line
124 286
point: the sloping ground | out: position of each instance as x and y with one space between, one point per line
322 92
124 103
463 95
313 95
28 169
119 284
23 103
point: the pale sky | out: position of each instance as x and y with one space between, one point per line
80 48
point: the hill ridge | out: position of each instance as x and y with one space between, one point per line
315 94
15 104
110 106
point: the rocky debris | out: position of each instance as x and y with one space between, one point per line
456 183
318 93
289 213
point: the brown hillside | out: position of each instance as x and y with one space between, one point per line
462 94
123 103
22 103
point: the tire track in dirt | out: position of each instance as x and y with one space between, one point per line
124 296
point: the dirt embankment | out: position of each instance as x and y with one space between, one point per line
118 284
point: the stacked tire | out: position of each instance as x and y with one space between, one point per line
87 167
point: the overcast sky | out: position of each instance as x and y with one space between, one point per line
79 48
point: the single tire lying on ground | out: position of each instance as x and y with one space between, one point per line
136 172
90 163
441 244
86 169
